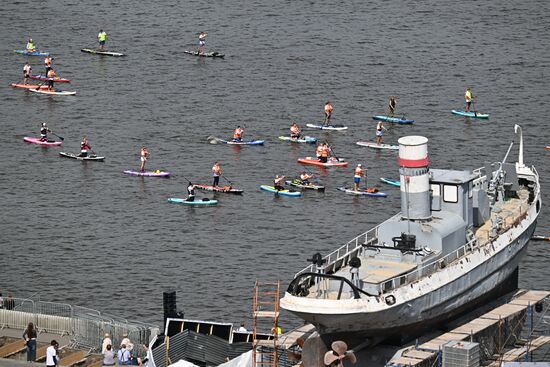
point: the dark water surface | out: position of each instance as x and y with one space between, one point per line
84 233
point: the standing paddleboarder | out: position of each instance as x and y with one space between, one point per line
391 105
48 63
190 192
216 172
328 113
143 154
51 75
357 174
202 42
27 70
101 37
468 96
380 132
84 146
44 130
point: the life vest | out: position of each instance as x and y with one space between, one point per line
102 36
328 108
30 46
468 96
238 133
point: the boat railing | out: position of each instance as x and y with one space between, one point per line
429 268
301 286
339 257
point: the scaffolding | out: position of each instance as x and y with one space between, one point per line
265 316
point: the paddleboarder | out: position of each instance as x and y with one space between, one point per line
144 154
48 63
44 130
328 113
325 153
51 75
27 70
238 134
84 146
102 38
190 192
357 174
216 172
468 96
277 182
380 132
294 131
305 177
30 46
202 42
391 105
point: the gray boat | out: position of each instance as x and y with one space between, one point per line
456 243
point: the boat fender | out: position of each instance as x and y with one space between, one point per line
390 300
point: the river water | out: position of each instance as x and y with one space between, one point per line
84 233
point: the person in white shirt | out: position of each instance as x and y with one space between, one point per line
106 341
242 329
127 342
52 360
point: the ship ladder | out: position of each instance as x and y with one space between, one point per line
265 317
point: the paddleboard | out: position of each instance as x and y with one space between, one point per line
104 52
33 53
249 142
302 139
315 162
204 201
227 189
547 147
473 114
204 54
328 127
55 92
45 78
284 192
362 192
390 181
156 173
396 120
373 145
298 183
30 139
29 86
88 158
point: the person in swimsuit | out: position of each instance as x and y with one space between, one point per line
277 182
380 132
294 131
391 105
328 113
202 42
27 70
190 192
84 147
144 154
44 130
216 172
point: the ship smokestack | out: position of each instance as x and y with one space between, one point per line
414 175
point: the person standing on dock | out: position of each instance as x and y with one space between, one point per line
216 172
391 105
202 42
143 155
468 96
380 132
30 341
52 359
102 38
328 113
27 70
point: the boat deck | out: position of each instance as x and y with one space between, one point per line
378 271
510 212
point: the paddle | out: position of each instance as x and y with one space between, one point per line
333 152
228 180
540 238
60 137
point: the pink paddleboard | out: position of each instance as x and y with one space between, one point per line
30 139
147 173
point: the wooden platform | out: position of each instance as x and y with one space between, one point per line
12 348
73 358
429 349
517 353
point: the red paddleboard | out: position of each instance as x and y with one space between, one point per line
332 162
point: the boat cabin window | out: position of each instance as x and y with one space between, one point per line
450 193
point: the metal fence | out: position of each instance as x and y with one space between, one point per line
85 326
